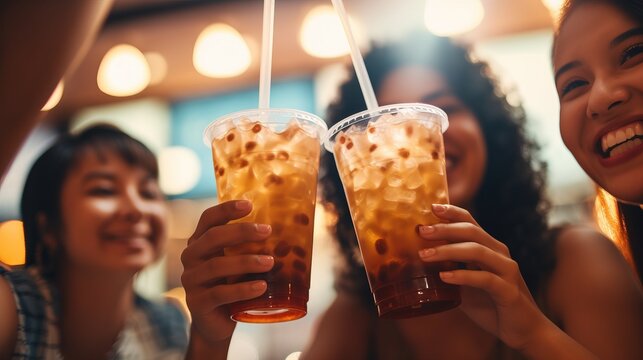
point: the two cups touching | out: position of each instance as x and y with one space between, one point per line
392 166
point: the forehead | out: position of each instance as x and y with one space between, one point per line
107 161
588 31
411 84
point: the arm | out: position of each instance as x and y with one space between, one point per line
38 42
596 296
342 332
9 323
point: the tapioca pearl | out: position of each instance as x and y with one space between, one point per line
230 137
256 128
277 228
274 179
299 265
221 171
299 281
372 148
342 139
349 145
371 129
299 251
381 246
301 219
243 163
250 145
404 153
277 267
282 249
282 155
435 155
270 156
409 130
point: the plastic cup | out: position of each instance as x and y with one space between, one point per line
391 163
271 157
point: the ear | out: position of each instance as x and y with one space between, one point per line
46 231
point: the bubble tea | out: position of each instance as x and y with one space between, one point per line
271 157
391 163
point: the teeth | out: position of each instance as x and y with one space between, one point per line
621 135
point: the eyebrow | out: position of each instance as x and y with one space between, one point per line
626 35
97 175
565 68
435 95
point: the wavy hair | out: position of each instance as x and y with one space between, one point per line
510 202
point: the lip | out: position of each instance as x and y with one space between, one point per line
616 160
613 125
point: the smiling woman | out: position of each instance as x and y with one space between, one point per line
598 62
94 217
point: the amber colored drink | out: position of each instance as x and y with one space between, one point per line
271 157
391 163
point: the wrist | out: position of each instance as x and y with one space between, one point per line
200 348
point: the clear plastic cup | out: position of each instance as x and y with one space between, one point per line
271 157
391 163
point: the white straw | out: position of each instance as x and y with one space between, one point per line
356 56
266 53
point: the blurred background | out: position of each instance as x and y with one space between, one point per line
163 69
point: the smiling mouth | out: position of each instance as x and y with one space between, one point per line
621 140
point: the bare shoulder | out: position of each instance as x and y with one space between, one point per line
595 295
584 256
9 324
341 332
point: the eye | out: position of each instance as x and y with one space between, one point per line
150 190
572 85
631 52
101 190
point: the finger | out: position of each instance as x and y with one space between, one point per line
473 253
502 292
452 213
208 299
220 214
462 232
214 270
216 238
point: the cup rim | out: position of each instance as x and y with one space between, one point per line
367 114
293 113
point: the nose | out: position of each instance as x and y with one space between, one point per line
132 206
607 94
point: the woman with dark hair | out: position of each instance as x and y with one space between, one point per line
598 65
94 216
496 225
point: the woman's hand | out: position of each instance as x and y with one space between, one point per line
494 294
206 268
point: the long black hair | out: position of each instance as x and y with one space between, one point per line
41 194
509 204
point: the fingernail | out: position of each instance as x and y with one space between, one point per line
446 274
243 205
265 260
425 253
439 208
262 228
258 285
426 229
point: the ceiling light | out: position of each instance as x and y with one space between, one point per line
322 34
452 17
12 243
158 67
554 7
221 52
55 97
123 71
179 170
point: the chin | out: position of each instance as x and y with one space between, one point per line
631 195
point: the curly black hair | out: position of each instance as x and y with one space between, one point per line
510 204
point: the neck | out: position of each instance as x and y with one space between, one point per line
94 306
